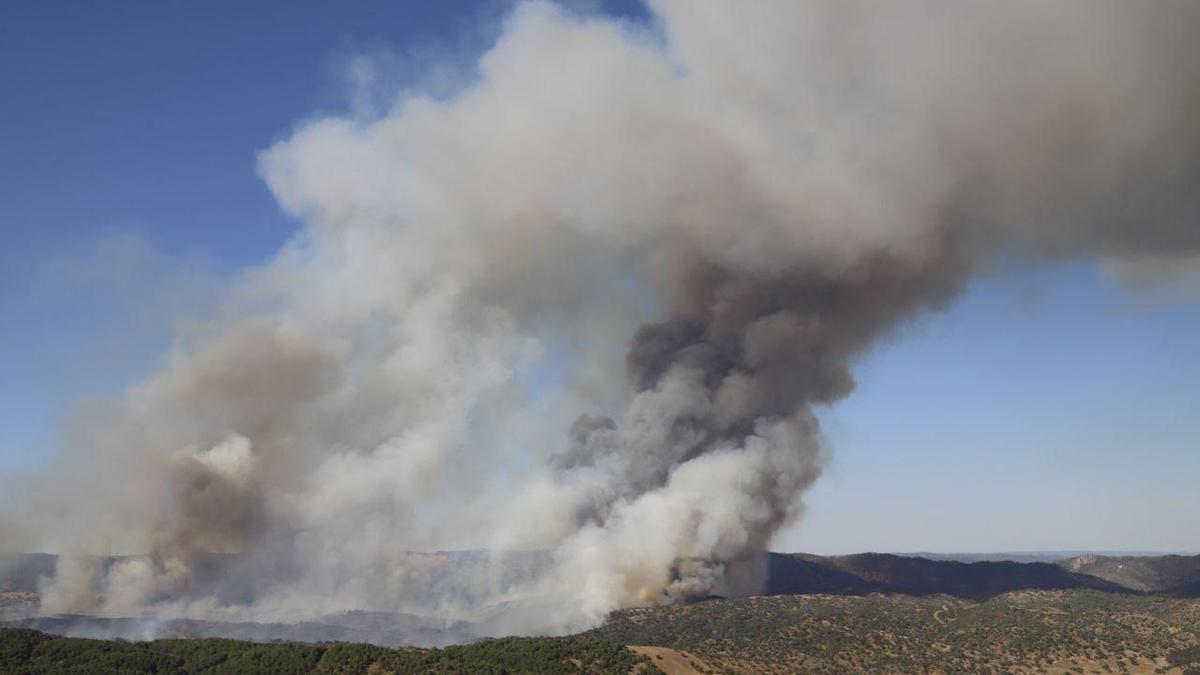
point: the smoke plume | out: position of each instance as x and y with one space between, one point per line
586 305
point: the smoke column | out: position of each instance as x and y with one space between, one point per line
586 305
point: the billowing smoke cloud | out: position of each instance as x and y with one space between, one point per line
586 305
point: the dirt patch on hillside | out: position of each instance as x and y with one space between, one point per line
674 662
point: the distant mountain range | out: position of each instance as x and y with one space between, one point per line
799 573
1031 556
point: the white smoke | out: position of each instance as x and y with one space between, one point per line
754 193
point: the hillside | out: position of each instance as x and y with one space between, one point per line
1172 574
28 651
1078 631
799 573
19 572
388 629
1024 556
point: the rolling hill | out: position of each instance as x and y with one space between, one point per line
798 573
1171 574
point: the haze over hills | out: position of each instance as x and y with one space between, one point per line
787 573
378 628
1052 632
458 572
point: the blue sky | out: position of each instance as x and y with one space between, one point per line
1049 408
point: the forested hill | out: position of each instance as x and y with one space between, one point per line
29 651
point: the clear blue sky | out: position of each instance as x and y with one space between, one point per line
1048 409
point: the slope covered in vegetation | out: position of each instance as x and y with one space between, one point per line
29 651
1075 631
